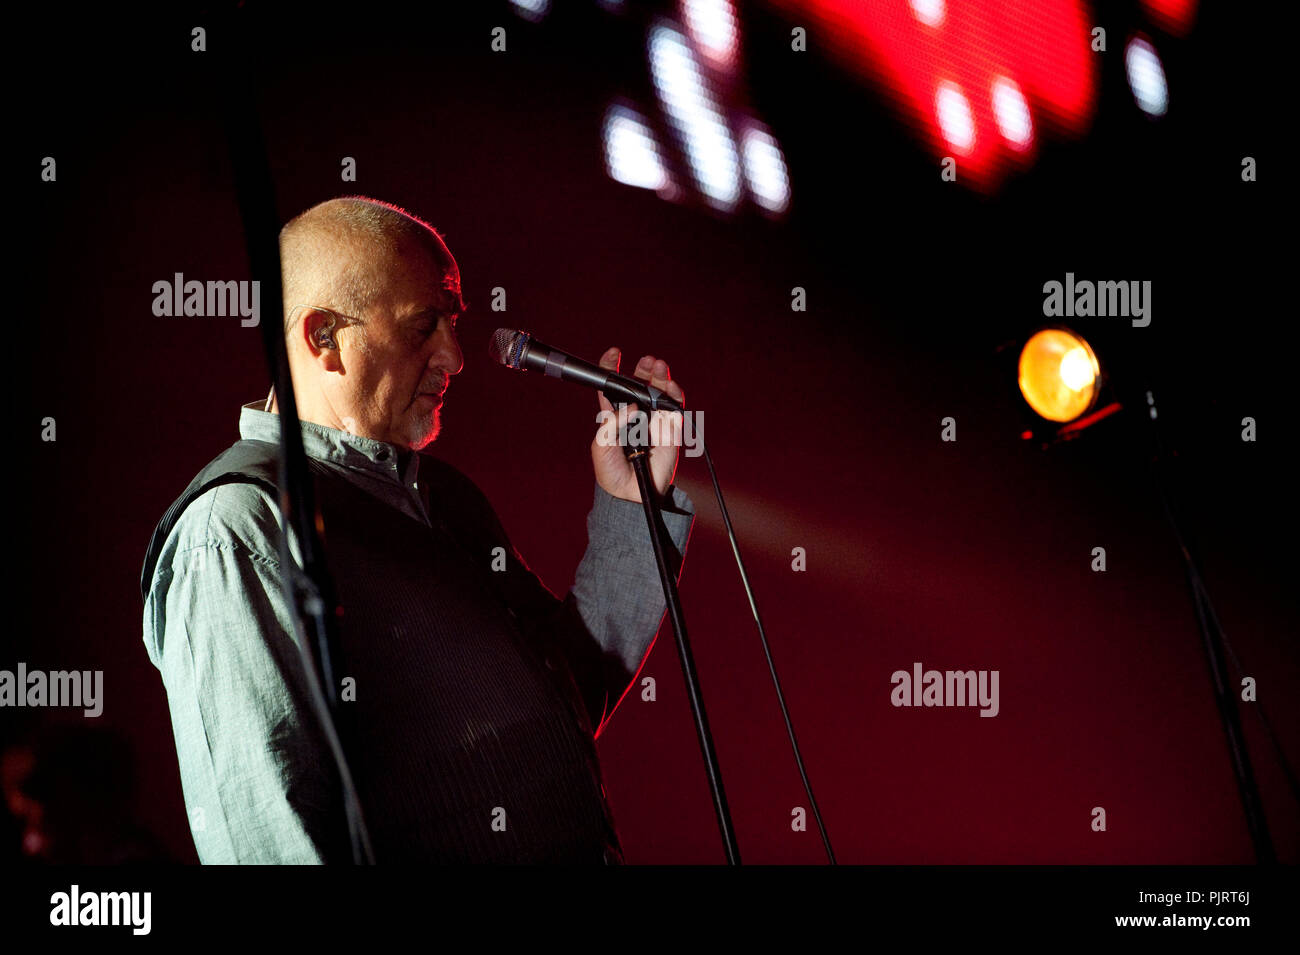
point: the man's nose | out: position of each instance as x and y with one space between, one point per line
447 357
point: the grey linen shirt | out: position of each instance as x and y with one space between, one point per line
216 625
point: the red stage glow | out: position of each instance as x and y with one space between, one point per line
1175 16
979 79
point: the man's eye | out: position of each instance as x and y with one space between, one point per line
427 327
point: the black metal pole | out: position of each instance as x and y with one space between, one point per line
640 458
311 590
1212 644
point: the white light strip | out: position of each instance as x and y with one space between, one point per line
710 150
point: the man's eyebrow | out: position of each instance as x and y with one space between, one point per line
455 307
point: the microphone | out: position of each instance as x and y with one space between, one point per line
521 351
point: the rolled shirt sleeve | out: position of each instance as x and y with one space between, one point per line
617 582
617 590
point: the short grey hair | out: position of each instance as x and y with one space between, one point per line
330 254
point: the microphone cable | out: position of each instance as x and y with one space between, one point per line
767 652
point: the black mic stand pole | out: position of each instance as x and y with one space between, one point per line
1212 643
309 588
638 455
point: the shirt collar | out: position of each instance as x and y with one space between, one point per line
327 444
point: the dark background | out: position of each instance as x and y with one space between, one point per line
824 425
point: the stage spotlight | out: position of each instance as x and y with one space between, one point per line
1059 375
1061 381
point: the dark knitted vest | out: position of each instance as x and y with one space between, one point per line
460 720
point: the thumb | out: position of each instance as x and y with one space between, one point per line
610 361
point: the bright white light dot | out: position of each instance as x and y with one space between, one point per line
631 153
1146 77
1076 369
765 171
531 9
955 117
929 12
1012 113
712 24
709 147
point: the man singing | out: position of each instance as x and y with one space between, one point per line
473 696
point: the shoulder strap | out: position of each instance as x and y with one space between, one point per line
246 461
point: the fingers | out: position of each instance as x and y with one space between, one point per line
651 369
655 371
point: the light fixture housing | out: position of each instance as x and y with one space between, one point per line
1059 375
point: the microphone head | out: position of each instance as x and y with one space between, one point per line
507 347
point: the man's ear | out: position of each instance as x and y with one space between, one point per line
319 333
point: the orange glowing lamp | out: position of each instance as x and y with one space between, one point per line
1059 375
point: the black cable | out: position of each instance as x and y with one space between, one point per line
1258 704
1212 639
767 651
1203 595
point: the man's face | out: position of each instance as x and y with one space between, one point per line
397 365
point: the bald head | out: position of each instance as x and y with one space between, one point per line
339 254
375 347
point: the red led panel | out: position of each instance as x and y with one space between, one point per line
921 53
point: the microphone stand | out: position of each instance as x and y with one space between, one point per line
1213 643
309 589
638 454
